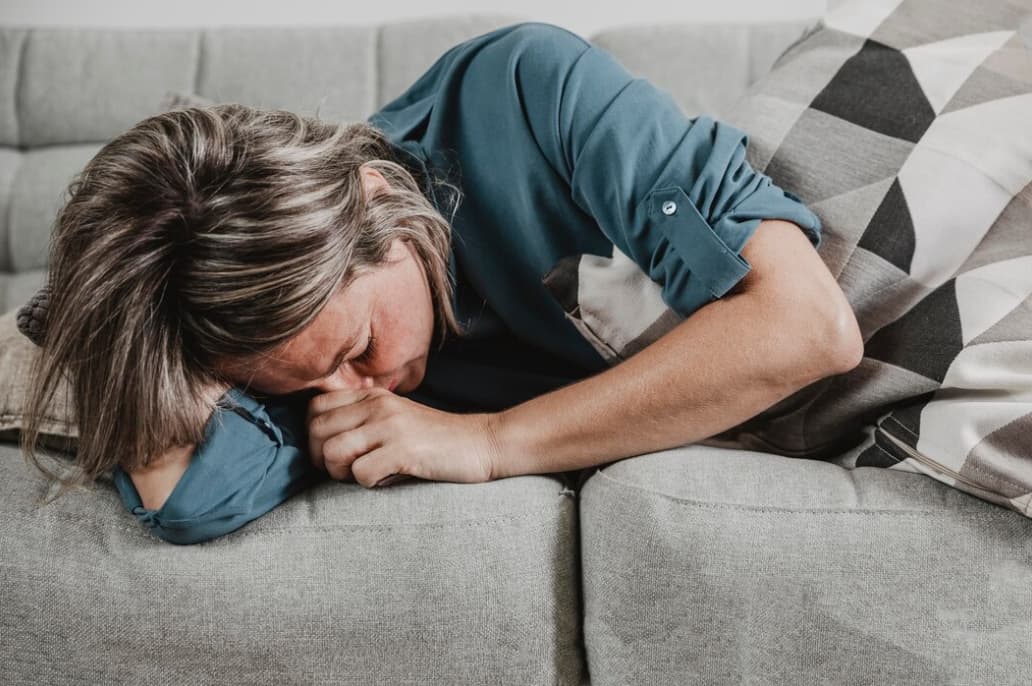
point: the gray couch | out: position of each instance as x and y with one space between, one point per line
700 565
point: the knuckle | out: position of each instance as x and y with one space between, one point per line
335 448
381 401
341 472
317 424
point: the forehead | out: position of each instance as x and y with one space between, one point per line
341 321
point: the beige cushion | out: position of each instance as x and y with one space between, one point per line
17 353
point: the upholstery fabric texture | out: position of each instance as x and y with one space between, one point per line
410 584
708 565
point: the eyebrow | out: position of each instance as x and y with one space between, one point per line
344 348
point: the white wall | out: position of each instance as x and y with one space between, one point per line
583 16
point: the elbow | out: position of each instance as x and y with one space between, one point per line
179 536
185 531
191 534
842 345
825 339
189 528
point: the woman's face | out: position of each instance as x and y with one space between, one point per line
392 304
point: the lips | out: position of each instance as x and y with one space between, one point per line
392 385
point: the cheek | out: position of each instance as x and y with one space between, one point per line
402 336
403 350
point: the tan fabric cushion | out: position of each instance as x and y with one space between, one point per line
17 353
18 350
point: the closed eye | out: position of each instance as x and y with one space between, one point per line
370 350
366 355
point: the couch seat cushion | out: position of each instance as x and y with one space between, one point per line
456 583
713 565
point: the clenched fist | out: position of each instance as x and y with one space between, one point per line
375 437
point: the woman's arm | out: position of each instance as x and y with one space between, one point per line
734 254
786 326
253 458
157 480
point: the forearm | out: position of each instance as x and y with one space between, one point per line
726 363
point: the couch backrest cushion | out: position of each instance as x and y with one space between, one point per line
68 90
705 67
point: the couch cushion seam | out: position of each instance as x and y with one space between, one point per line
690 502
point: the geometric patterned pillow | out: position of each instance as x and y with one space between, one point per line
906 126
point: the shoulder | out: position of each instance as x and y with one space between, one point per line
539 34
530 46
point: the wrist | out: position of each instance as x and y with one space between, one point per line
497 448
507 445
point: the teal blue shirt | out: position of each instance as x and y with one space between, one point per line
253 457
559 151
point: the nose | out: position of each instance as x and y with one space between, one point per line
345 379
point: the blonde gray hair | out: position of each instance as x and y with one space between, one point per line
206 234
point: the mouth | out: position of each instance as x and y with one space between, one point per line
393 385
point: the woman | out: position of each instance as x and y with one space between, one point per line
249 302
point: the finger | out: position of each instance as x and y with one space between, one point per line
343 449
322 402
315 452
376 468
393 478
333 421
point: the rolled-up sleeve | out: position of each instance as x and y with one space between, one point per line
252 459
674 194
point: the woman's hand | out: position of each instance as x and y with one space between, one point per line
375 437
